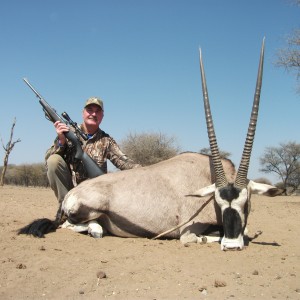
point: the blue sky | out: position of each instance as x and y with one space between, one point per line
141 57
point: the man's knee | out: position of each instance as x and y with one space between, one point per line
54 162
59 176
57 169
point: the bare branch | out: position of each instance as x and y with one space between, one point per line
289 57
8 148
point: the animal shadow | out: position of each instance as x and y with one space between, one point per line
256 235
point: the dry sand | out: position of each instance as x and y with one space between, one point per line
64 265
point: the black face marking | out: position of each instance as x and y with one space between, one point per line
230 192
232 223
246 212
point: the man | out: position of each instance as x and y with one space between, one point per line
63 172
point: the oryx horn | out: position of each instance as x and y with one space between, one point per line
241 177
221 180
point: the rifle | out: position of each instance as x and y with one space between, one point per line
92 169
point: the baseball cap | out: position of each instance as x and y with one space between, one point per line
94 100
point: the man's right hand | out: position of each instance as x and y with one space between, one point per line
60 129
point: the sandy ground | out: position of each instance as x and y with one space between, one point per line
64 265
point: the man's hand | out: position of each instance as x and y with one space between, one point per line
60 129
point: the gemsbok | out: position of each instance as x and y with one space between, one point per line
179 198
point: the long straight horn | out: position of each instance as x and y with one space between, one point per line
241 177
221 180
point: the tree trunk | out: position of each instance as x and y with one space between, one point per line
8 148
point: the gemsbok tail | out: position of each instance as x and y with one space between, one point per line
39 227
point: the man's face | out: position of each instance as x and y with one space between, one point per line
93 115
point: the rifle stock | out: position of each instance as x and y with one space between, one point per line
92 169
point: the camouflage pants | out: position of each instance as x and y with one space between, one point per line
59 176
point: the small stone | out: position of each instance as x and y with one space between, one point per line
203 291
219 283
255 272
101 274
21 266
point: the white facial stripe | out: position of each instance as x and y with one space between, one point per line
238 204
221 202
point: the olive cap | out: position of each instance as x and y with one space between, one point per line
94 100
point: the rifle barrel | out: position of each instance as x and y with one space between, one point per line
32 88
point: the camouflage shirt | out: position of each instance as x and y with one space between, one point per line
99 147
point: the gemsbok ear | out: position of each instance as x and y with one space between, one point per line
205 191
264 189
